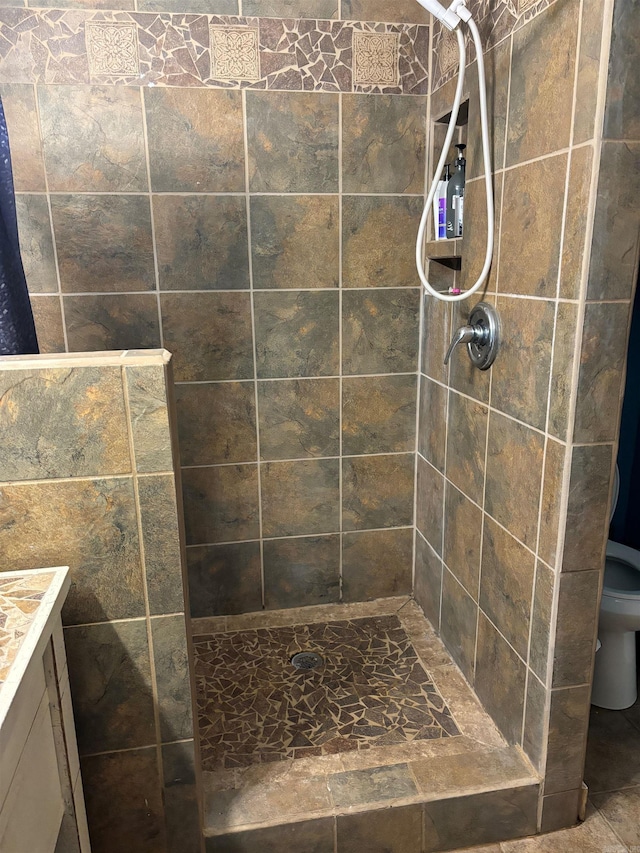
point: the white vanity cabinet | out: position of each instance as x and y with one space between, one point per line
41 802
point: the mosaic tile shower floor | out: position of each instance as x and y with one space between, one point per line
254 706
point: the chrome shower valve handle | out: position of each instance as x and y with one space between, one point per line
481 335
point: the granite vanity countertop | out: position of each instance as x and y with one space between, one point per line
29 603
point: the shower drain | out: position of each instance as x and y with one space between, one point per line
307 660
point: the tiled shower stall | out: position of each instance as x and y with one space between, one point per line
245 192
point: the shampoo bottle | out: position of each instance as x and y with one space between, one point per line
440 206
455 196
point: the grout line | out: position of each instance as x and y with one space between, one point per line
448 308
154 242
133 748
288 536
252 193
300 459
503 181
340 351
292 378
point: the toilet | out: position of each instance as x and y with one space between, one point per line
614 678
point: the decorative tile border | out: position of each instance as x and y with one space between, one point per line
140 49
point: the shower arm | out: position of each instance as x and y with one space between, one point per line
451 18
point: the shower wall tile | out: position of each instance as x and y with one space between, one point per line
300 497
378 10
564 344
529 248
172 673
93 139
383 141
462 534
502 697
587 510
560 811
221 504
216 422
541 620
378 241
602 361
568 724
295 241
293 142
104 242
296 334
474 245
431 431
202 242
436 336
577 622
463 376
552 483
589 65
380 331
535 716
506 585
224 579
209 335
397 830
112 322
36 243
195 140
466 443
377 564
430 487
542 77
299 418
458 622
514 471
287 8
378 414
301 571
47 314
182 820
621 120
497 69
110 675
377 491
427 586
19 104
316 835
150 432
575 226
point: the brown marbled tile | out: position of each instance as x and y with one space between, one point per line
432 422
588 509
551 501
220 503
383 141
103 242
497 63
588 71
171 665
395 830
289 8
560 810
622 812
377 491
506 585
300 497
376 564
124 801
378 10
316 836
575 226
299 418
458 621
195 140
150 430
296 334
578 611
36 243
380 331
429 503
112 322
62 422
91 522
209 335
110 676
542 78
529 248
161 539
378 241
474 245
535 718
370 785
562 369
541 620
463 376
568 724
224 579
616 227
621 119
93 138
202 242
428 581
602 360
378 414
502 697
301 571
19 104
217 7
293 142
514 477
216 422
181 814
47 314
527 338
295 241
436 336
481 818
462 532
466 444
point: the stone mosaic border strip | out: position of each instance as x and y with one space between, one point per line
144 49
